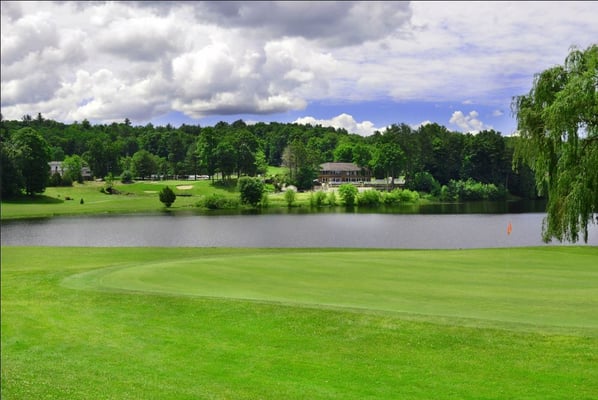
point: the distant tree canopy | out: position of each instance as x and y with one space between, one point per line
229 151
25 158
558 127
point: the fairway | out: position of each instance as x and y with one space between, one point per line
221 323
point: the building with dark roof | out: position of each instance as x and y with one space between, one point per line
343 172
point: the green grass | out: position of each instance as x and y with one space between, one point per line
141 196
168 323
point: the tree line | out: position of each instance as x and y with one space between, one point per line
428 157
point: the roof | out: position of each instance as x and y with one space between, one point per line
339 166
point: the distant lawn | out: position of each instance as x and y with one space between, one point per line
177 323
141 196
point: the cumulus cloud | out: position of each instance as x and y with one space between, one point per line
423 123
342 121
497 113
468 123
330 23
105 61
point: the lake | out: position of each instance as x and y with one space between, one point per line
328 229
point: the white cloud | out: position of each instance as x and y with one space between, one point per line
329 23
215 58
342 121
497 113
468 123
423 123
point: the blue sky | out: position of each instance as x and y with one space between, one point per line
357 65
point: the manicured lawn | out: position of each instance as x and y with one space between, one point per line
140 196
95 323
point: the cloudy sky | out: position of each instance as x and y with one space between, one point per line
357 65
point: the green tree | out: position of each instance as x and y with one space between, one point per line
12 180
143 164
261 165
348 193
225 159
484 158
390 159
206 151
344 152
32 155
362 156
251 190
167 196
72 168
558 127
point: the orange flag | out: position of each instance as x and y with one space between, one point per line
509 228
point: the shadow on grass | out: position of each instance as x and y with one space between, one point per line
37 199
230 185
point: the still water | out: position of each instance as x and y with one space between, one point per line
366 230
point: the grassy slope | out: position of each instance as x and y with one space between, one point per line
83 344
136 197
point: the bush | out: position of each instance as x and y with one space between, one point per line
471 190
317 199
289 197
218 202
126 177
398 196
348 193
167 196
332 198
391 198
251 190
265 200
57 180
369 198
408 196
424 182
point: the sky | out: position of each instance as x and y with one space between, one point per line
361 66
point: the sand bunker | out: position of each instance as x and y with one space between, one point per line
184 187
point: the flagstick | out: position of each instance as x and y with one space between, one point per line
509 230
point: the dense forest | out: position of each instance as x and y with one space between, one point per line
429 156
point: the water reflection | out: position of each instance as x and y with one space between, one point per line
333 229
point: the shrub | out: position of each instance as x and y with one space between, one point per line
332 198
265 200
167 196
217 201
126 177
391 198
369 198
57 180
348 193
289 197
251 190
424 182
471 190
317 199
408 196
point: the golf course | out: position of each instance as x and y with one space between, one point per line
235 323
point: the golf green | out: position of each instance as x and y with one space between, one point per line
523 286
